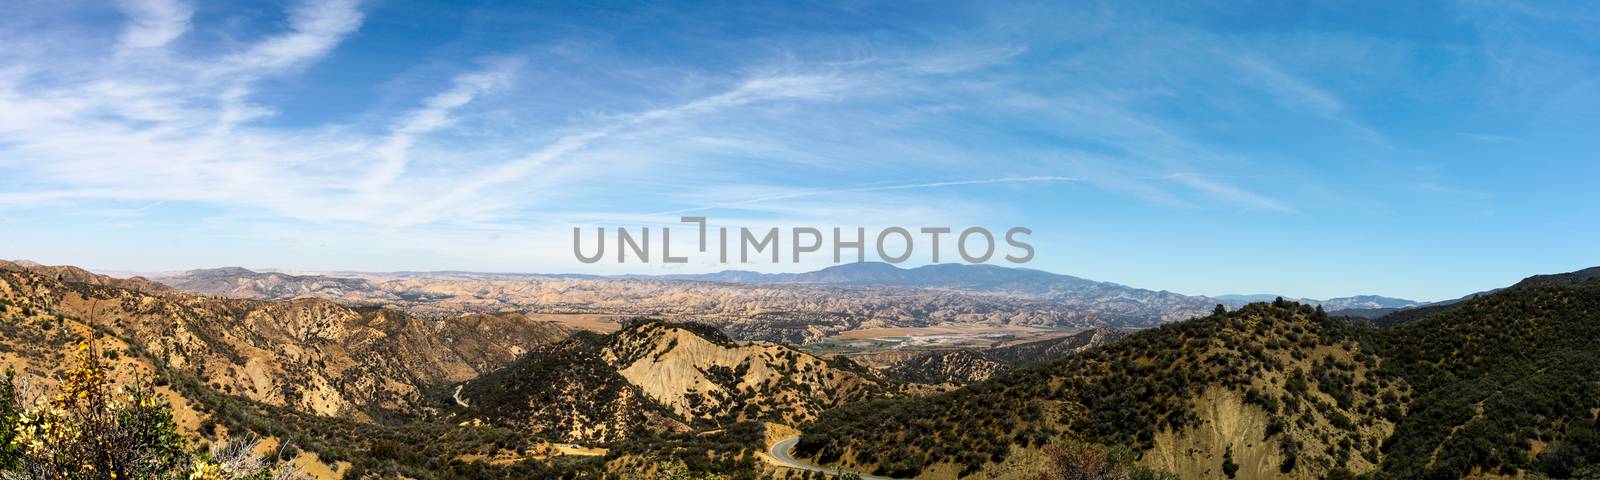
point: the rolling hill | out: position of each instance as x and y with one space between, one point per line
1268 383
309 354
660 376
1504 384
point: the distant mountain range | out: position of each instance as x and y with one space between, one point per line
268 284
1376 307
1332 304
947 275
834 298
950 276
961 277
794 308
997 279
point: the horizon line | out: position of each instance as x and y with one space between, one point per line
119 273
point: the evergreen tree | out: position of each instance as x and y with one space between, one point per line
1228 467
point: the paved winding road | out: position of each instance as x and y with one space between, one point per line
780 452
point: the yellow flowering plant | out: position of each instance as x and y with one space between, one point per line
91 430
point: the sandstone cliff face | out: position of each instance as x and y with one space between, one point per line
312 355
1228 427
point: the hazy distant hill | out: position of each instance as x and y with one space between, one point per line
965 366
1368 313
1235 301
1357 302
1367 301
1050 350
236 282
978 278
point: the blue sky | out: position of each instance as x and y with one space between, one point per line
1422 150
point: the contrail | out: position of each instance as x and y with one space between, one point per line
908 186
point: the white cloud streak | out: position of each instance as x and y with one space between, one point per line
435 114
187 129
874 188
754 90
1230 194
153 23
315 27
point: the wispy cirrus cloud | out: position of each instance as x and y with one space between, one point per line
869 188
1489 138
315 28
1230 194
394 152
159 127
188 131
753 90
153 23
307 120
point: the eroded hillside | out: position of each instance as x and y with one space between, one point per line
309 354
660 376
950 367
